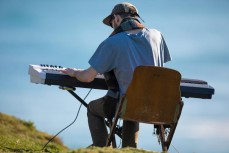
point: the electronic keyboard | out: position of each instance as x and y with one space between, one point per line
51 75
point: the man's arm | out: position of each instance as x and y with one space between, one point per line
87 75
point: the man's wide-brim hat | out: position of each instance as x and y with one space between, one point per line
121 8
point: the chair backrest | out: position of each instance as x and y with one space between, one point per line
153 96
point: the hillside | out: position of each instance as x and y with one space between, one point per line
17 135
20 136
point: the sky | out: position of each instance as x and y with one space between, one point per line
67 33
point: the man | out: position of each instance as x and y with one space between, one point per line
131 44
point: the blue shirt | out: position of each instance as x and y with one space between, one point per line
123 52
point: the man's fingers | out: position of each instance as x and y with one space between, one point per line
63 70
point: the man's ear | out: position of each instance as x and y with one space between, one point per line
117 18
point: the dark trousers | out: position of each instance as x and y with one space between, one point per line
105 107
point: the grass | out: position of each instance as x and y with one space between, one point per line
20 136
17 135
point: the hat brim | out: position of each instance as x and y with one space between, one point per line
107 20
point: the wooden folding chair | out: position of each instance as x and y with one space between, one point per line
153 97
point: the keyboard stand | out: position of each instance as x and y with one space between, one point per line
71 90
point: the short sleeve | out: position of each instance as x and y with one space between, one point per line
166 55
103 60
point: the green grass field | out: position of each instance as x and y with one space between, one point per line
17 135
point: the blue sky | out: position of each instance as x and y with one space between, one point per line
67 33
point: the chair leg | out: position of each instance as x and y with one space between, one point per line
165 142
162 137
112 138
113 127
173 128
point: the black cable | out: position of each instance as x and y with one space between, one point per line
68 125
175 148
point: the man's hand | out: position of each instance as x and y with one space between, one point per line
70 71
87 75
